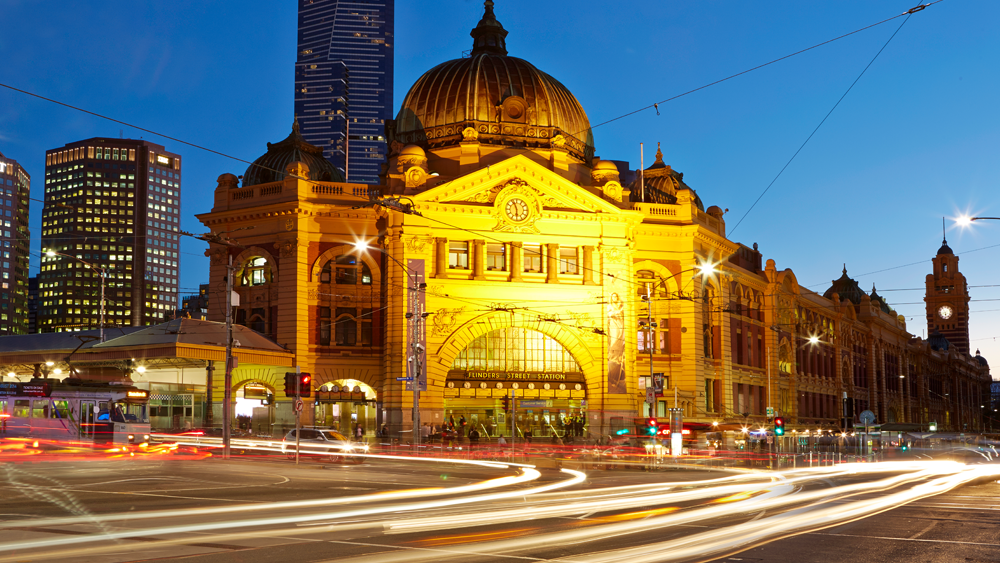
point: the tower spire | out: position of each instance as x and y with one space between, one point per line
489 37
944 233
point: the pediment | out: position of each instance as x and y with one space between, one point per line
518 173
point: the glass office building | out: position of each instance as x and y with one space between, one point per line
343 82
15 188
112 206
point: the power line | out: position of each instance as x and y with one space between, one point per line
822 121
758 67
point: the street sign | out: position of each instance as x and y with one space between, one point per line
770 439
932 427
658 383
404 379
867 417
770 412
299 405
650 396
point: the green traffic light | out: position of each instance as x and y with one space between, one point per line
779 431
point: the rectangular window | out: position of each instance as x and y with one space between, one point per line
40 408
324 326
533 258
458 255
21 408
61 409
568 262
645 339
346 327
366 327
496 256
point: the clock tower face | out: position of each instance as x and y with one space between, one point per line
945 312
516 209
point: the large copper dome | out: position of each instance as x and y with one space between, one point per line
505 100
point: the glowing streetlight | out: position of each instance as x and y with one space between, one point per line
814 340
11 374
706 268
50 364
965 220
57 371
141 369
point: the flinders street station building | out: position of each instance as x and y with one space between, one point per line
499 255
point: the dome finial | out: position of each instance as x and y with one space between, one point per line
659 153
845 268
295 126
489 36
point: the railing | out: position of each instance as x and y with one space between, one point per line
657 210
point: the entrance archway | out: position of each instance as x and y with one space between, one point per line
254 408
516 380
343 405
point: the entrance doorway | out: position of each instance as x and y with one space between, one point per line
345 404
254 410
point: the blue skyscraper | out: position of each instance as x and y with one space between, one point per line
343 82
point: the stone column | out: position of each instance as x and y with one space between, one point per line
440 257
552 263
478 259
588 265
516 261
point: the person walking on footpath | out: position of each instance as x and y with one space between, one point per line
359 432
473 439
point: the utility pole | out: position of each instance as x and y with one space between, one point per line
228 379
298 395
220 239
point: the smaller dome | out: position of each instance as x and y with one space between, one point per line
938 341
982 361
605 165
715 211
660 183
412 150
945 249
271 166
880 301
846 288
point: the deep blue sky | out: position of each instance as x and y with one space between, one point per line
917 138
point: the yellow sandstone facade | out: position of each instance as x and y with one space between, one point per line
526 265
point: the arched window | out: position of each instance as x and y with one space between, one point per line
647 282
347 269
257 320
516 350
256 272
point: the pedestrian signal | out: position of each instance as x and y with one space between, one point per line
779 426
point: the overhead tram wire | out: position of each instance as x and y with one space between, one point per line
655 106
908 14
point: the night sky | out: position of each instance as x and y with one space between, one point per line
916 139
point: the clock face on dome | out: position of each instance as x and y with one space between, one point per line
945 312
516 209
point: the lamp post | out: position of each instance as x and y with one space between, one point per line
414 316
100 272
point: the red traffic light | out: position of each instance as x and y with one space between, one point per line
778 421
651 422
305 378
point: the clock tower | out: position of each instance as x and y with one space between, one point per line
947 299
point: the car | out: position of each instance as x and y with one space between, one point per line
327 444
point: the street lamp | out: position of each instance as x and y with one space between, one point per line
100 271
414 315
965 221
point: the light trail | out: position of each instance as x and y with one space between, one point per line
775 498
526 475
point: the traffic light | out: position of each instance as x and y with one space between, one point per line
290 383
305 385
651 427
779 426
505 403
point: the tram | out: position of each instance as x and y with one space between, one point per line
84 411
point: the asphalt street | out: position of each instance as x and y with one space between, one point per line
269 509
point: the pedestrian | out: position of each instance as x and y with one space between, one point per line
501 441
473 438
461 425
359 432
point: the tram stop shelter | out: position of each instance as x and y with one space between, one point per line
178 362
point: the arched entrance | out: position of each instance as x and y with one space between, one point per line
254 408
343 404
548 384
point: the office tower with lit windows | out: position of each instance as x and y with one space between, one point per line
15 187
112 207
343 82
